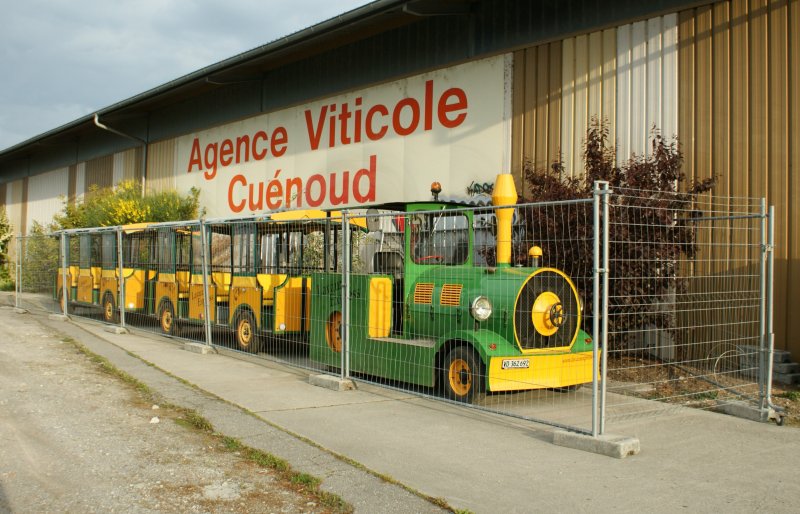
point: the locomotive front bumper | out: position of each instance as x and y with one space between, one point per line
539 371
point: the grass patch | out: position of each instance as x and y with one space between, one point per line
790 395
190 418
231 444
267 460
305 481
301 481
708 395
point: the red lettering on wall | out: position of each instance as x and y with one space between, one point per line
447 109
407 104
236 207
371 133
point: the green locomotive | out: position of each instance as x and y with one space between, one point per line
428 315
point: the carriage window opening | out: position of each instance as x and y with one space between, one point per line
440 238
184 249
197 251
85 252
109 250
220 251
243 251
166 251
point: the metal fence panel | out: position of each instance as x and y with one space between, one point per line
686 302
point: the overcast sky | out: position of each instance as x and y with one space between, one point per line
63 59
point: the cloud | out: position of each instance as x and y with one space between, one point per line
70 58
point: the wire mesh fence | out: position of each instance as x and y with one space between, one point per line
687 300
572 313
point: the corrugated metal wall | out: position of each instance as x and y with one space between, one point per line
626 75
46 196
739 120
14 204
161 167
723 77
99 172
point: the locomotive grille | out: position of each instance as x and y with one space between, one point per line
451 295
549 300
423 293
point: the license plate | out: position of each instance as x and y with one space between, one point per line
516 363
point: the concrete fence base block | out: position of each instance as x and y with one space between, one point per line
331 382
19 310
747 411
115 329
58 317
200 348
615 446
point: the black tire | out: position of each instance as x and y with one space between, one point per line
462 376
110 313
245 332
166 318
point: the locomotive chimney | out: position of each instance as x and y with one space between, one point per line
505 193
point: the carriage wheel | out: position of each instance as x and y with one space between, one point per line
333 331
166 316
246 337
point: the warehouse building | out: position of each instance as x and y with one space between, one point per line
371 105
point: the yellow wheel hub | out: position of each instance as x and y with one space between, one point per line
245 332
166 320
333 331
547 314
460 377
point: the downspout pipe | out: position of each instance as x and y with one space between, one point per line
128 136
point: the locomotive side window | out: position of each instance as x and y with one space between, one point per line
440 238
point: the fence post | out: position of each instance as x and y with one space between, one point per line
600 305
768 307
204 265
18 273
604 305
595 305
66 285
120 265
345 371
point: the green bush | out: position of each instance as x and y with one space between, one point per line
6 235
125 204
40 260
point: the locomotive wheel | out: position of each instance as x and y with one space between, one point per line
246 338
166 317
333 331
461 375
109 309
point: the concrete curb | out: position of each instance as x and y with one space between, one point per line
331 382
747 411
615 446
202 349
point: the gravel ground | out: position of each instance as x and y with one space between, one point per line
75 439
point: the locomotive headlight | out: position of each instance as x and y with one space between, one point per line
481 308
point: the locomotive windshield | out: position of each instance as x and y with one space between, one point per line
440 238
